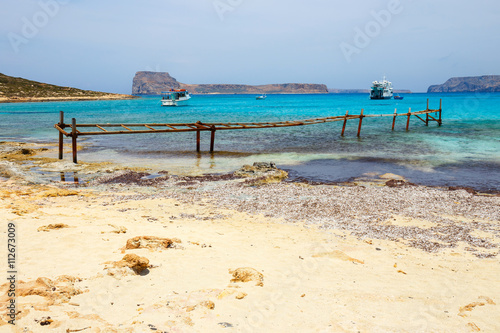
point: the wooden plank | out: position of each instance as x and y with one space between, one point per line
432 117
419 118
151 128
100 128
125 127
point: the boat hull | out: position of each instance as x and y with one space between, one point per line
381 90
175 102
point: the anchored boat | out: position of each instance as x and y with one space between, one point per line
174 97
261 97
381 89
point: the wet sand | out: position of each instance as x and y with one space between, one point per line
240 254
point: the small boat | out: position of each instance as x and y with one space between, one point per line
174 97
398 97
261 97
381 89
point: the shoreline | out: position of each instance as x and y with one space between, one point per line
67 99
48 156
319 258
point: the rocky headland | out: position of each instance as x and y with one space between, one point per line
153 83
16 89
485 83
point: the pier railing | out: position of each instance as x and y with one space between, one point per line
77 130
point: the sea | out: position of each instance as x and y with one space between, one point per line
464 151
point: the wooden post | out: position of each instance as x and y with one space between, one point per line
360 122
427 104
198 141
426 119
212 138
73 139
440 109
408 121
345 121
394 118
61 136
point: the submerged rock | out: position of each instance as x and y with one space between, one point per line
261 173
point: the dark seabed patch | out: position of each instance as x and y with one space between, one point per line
481 176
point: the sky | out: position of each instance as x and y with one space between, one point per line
100 45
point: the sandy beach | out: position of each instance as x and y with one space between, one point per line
124 252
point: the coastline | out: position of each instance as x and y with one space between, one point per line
106 97
319 258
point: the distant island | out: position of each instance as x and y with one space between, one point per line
485 83
153 83
16 89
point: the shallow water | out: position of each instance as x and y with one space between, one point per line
462 152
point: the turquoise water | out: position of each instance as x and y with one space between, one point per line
462 152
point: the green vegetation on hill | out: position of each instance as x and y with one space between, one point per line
14 89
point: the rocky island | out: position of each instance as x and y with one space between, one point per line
16 89
153 83
485 83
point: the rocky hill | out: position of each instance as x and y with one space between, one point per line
16 89
153 83
485 83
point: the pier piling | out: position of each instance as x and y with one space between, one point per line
394 118
345 121
198 141
360 122
73 139
408 121
61 135
212 138
440 109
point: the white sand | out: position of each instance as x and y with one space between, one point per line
314 281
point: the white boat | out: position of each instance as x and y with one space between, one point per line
174 97
261 97
381 89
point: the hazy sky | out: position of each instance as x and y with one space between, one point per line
99 45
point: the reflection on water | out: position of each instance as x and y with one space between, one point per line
74 179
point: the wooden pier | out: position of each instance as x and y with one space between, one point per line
77 130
